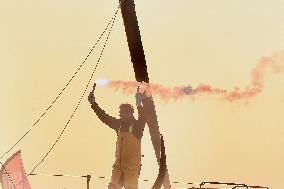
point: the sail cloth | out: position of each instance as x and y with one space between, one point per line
12 174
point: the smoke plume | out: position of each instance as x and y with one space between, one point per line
273 64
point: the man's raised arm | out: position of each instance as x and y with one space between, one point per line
112 122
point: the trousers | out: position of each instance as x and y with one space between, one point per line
127 165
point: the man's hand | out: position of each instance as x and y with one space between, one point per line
91 97
139 96
138 99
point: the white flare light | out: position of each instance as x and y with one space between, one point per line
102 82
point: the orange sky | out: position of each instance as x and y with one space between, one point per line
186 42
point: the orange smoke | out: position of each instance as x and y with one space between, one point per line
273 64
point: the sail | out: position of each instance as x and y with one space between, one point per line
12 174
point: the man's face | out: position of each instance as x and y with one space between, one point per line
125 113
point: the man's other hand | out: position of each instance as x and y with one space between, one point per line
138 98
91 98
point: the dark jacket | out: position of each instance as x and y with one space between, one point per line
116 124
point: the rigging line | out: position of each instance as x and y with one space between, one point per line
77 106
105 177
46 175
100 177
72 176
61 92
144 180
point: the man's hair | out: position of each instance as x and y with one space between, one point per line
127 107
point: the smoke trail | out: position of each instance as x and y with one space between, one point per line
273 64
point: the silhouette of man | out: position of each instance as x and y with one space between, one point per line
127 165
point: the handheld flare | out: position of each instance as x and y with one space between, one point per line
94 87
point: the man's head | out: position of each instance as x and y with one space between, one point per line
126 111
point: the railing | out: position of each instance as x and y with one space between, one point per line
234 185
200 185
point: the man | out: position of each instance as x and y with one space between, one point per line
126 168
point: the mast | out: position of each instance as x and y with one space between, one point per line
140 69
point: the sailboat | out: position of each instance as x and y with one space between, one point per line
140 69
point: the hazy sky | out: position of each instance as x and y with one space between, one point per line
186 42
